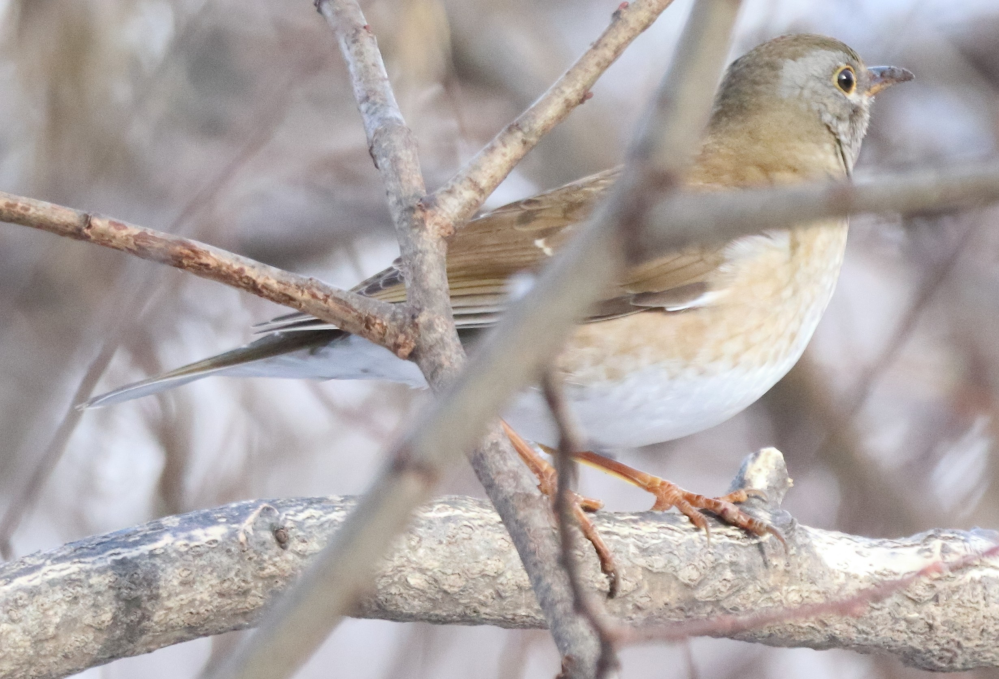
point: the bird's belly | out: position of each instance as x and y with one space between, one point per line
656 376
649 406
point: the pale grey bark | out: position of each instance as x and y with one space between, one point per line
212 571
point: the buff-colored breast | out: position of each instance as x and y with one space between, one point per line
656 376
762 307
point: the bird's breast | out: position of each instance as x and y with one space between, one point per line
707 363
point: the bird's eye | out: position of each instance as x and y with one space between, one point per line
846 79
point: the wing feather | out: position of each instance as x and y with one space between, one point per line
522 236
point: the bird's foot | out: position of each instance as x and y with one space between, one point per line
691 505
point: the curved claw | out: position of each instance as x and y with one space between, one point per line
780 537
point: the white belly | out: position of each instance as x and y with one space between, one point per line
648 407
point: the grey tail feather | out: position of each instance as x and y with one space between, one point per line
262 349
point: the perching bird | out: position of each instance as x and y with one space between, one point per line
683 341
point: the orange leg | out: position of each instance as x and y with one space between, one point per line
689 504
547 484
541 468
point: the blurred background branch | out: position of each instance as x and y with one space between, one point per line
130 107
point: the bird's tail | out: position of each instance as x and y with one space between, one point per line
254 359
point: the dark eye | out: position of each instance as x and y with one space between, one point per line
846 80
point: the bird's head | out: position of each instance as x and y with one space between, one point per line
802 87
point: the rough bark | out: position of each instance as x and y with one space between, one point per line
211 571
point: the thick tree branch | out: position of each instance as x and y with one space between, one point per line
212 571
379 322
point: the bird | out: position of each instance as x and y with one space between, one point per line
682 341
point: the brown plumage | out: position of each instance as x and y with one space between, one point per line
682 341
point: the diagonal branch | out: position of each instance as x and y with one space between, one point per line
533 330
377 321
328 589
393 149
457 201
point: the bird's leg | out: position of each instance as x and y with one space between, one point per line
548 484
689 504
541 468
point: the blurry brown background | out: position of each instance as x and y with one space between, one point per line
233 122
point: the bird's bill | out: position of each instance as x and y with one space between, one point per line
883 77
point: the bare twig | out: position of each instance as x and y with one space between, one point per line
854 605
28 493
393 149
377 321
571 441
929 286
685 219
458 200
134 590
124 307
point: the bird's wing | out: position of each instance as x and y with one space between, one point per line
521 237
482 256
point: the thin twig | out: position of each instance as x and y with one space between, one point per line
458 200
393 149
570 442
327 590
854 606
377 321
27 494
684 219
125 305
840 445
928 287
